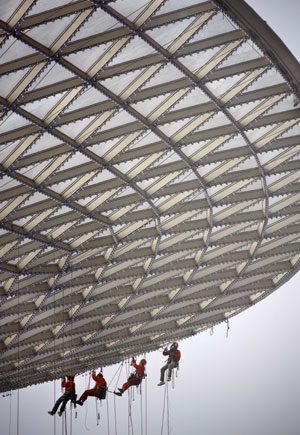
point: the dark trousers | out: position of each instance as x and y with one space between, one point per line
62 400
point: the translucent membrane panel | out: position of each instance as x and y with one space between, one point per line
85 59
218 24
41 107
47 33
165 75
13 49
49 76
98 22
87 97
135 48
119 83
165 38
194 61
271 76
73 129
43 5
11 81
12 121
245 52
174 5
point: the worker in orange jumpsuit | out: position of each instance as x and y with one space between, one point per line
69 394
135 378
174 356
99 389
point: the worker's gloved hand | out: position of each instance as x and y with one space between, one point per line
133 360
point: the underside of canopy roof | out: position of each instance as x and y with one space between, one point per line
149 156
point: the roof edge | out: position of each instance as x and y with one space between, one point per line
267 40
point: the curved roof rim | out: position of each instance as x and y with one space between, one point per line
260 32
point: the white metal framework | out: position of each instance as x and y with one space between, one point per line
149 155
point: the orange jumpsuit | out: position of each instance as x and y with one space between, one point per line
136 378
97 390
68 394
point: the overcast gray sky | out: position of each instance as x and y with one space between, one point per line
246 384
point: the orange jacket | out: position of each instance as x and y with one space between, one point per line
68 385
140 368
100 381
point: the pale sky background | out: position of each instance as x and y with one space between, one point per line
246 384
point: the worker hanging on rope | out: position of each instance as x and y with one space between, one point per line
135 378
174 356
98 391
69 394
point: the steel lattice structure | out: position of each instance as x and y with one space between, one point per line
150 169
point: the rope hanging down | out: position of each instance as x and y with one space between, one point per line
165 405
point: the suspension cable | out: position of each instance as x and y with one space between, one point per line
163 413
19 327
141 393
10 412
168 411
86 408
146 407
115 415
130 400
107 413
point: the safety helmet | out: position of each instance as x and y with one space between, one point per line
143 361
71 376
100 374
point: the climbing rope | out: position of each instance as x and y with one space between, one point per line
18 375
141 393
168 411
115 415
18 411
227 330
10 412
115 408
146 407
130 400
165 405
97 412
71 415
107 413
86 408
54 393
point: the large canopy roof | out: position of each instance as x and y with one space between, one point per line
150 189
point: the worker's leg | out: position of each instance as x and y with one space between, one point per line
129 383
171 366
86 394
162 372
57 403
64 402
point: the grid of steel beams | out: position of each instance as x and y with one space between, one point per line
150 177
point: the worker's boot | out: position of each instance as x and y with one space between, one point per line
79 402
